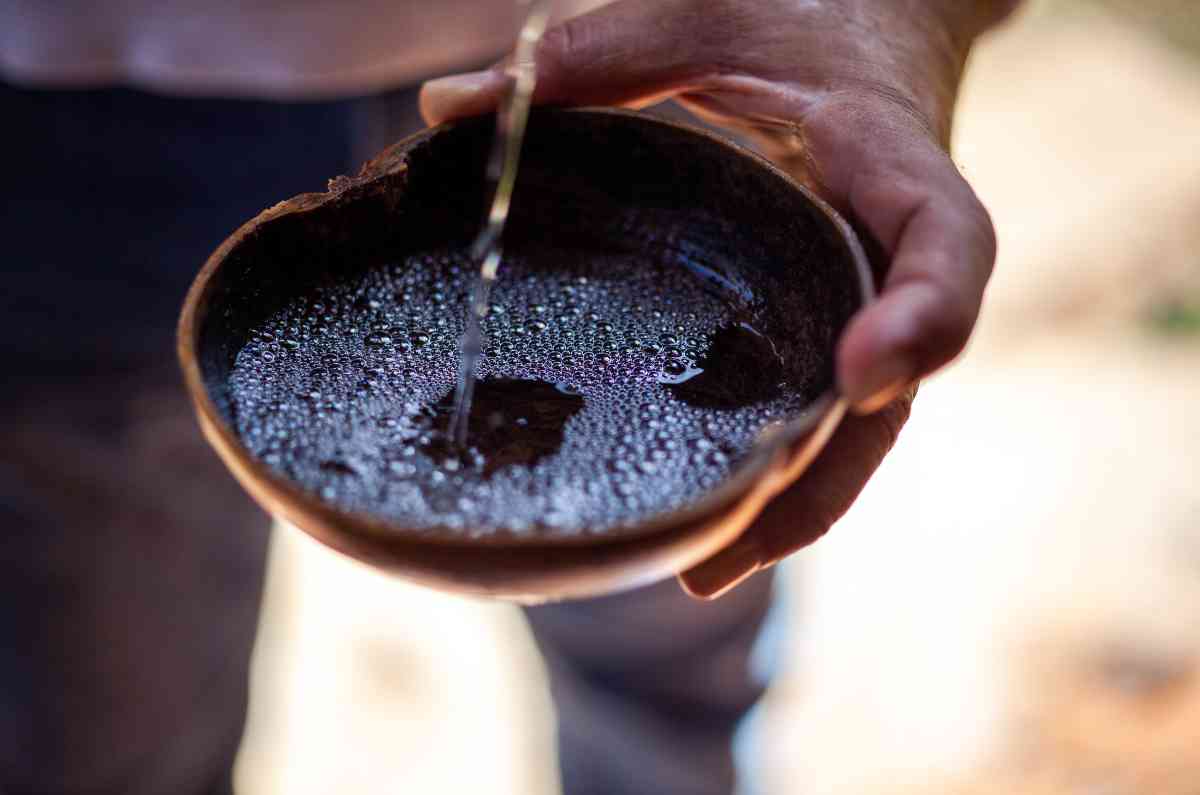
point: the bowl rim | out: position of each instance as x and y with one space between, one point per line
286 499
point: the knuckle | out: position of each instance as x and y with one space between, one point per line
878 110
971 217
558 47
947 324
986 231
891 101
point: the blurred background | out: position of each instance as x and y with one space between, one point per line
1014 603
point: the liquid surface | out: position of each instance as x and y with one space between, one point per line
609 391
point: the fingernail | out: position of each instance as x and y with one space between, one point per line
882 384
457 95
724 570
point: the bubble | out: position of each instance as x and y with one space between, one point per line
675 367
361 383
402 469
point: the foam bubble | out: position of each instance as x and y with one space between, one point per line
340 392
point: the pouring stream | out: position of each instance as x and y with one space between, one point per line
512 116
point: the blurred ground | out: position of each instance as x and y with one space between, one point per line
1014 604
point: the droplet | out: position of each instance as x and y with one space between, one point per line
675 367
402 469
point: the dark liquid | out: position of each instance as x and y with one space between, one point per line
609 391
513 422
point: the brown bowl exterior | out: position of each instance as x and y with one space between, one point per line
524 572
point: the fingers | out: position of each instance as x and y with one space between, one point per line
942 259
888 171
805 512
883 166
460 96
626 53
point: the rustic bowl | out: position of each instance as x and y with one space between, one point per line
697 190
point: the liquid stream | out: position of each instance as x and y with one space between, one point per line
511 121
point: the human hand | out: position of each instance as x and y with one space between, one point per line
853 97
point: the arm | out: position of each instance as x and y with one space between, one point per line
856 98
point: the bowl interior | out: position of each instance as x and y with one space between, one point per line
592 183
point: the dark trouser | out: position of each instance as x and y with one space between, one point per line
133 564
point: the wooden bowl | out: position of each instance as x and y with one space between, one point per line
601 172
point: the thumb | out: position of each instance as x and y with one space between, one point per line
627 53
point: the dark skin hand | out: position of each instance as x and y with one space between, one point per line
853 97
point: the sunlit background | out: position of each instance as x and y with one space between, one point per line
1014 603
